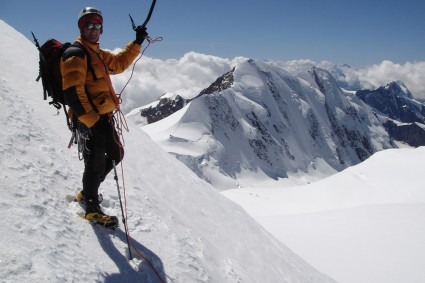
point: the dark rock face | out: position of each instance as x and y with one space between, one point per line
169 105
394 101
164 108
222 83
405 116
411 133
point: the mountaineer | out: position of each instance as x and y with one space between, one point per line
88 91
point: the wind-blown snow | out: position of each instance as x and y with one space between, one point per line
189 231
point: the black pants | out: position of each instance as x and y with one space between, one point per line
102 148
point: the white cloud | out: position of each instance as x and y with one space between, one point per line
193 72
412 74
186 76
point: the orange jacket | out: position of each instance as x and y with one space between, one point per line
78 81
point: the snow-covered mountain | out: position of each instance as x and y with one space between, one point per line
401 114
185 228
395 101
260 121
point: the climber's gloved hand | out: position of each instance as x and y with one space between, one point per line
141 35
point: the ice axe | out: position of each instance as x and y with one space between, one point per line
147 18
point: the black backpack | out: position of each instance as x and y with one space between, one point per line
50 73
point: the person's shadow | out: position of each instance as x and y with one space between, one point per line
149 270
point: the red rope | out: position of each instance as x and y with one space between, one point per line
120 118
128 232
126 219
150 41
121 123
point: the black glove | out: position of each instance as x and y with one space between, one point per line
141 34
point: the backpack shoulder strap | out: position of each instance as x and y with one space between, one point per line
77 49
71 50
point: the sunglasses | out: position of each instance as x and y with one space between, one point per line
94 26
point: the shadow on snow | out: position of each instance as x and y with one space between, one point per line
128 273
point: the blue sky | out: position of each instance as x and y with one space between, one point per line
358 33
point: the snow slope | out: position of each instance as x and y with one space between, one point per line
364 224
185 228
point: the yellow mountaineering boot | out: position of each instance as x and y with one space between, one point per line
95 215
82 200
